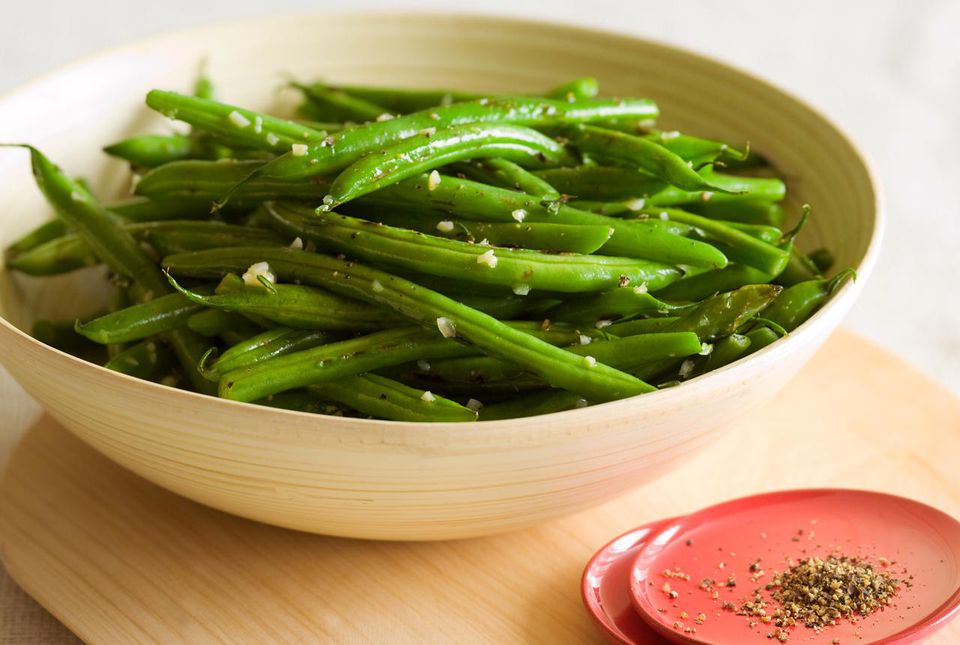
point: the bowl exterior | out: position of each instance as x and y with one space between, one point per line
386 480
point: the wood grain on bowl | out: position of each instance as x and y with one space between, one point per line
394 480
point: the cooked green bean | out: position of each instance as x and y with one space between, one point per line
635 152
584 238
520 269
292 305
385 398
264 346
231 124
658 240
622 303
507 174
139 321
145 360
532 405
327 103
436 148
559 368
116 247
797 303
70 252
339 150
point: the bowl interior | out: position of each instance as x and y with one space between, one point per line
72 113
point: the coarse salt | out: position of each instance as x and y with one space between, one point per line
664 215
521 289
258 124
519 214
297 244
590 361
640 288
445 226
376 286
423 365
433 180
585 340
474 405
299 149
603 323
386 116
428 397
272 139
686 368
635 204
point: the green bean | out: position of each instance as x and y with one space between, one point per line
61 335
624 354
746 210
739 246
760 338
797 303
541 236
139 321
726 351
207 181
387 399
823 259
641 326
116 247
338 105
578 89
303 400
703 285
150 150
143 360
47 231
70 252
233 125
213 322
635 152
264 346
520 269
604 183
335 361
339 150
406 100
532 405
763 232
725 313
651 240
292 305
507 174
800 268
697 150
436 148
737 188
559 368
138 209
622 303
504 306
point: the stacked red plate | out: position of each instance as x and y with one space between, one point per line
691 579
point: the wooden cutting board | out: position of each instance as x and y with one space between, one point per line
119 560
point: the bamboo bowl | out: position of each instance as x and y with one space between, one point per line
391 480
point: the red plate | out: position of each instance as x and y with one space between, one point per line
605 588
724 540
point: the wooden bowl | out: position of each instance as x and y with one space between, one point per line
391 480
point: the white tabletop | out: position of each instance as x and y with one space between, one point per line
888 71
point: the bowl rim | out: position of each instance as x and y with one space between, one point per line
770 354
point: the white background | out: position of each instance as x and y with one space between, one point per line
887 71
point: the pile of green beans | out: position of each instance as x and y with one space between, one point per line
427 255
